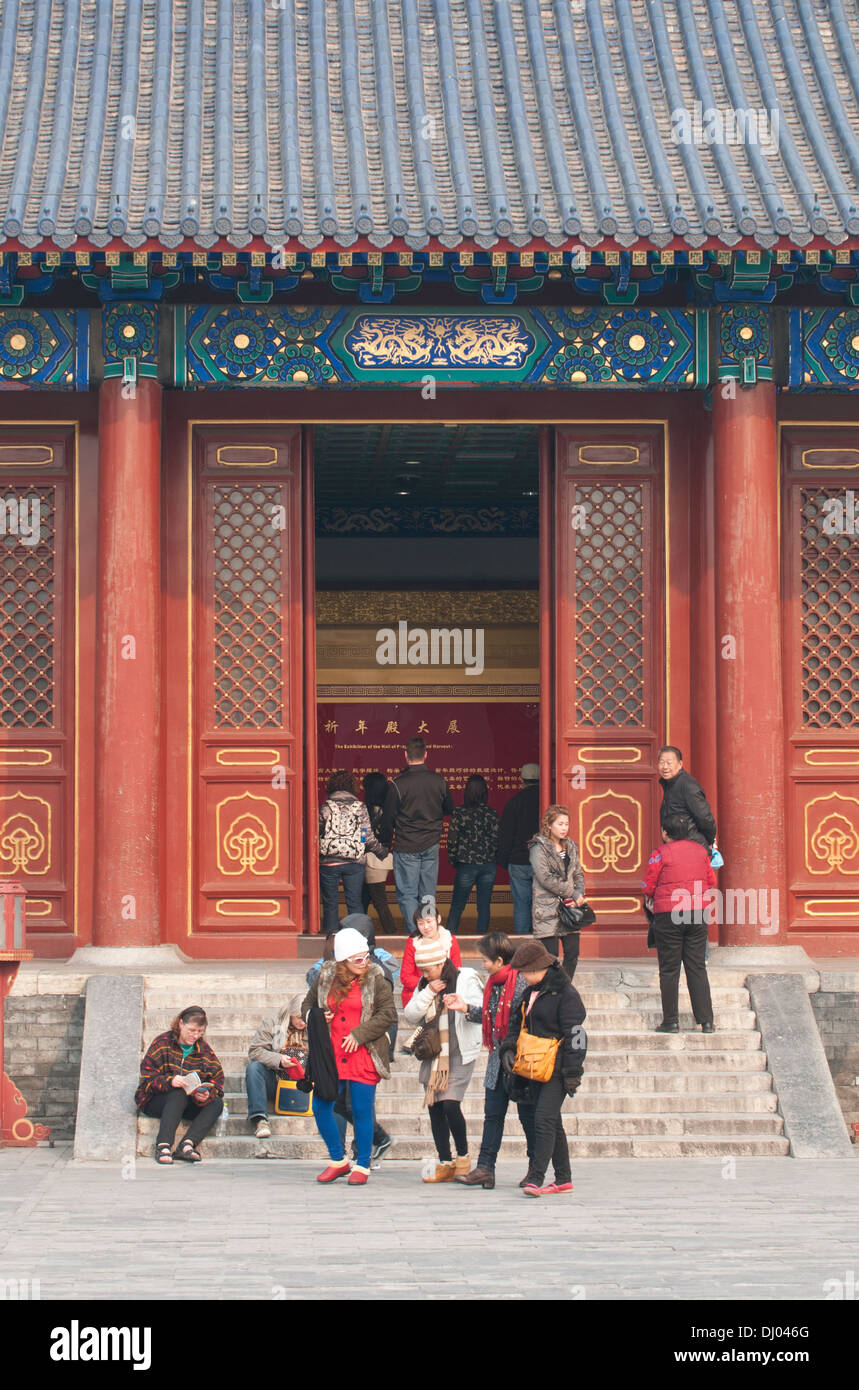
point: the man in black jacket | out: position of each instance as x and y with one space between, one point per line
683 796
520 819
553 1008
415 806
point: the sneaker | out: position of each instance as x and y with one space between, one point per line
263 1130
334 1171
380 1149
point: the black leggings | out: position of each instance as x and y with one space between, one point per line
447 1120
175 1105
571 949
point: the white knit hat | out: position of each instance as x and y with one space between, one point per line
349 942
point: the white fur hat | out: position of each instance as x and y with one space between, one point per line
349 942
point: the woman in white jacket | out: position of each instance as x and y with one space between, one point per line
446 993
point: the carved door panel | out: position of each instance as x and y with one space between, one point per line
247 682
37 678
821 607
610 655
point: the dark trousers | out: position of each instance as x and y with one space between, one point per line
377 894
330 878
446 1120
175 1105
571 949
550 1141
686 943
494 1114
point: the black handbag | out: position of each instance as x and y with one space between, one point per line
572 918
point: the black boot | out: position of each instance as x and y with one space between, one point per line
668 1026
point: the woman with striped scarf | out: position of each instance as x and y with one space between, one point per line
446 991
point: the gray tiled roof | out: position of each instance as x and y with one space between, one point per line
478 120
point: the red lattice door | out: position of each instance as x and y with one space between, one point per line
821 583
609 656
247 683
37 674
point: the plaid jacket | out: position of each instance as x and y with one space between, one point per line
164 1060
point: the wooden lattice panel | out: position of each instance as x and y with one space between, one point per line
609 570
829 569
248 650
28 602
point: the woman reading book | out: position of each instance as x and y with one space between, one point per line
181 1078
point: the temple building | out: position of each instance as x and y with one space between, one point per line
383 367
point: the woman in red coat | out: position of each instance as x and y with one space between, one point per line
427 924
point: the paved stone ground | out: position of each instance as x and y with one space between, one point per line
633 1229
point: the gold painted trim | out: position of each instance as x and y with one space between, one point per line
246 757
828 467
248 907
606 796
851 760
605 904
221 836
807 839
619 748
44 903
247 449
852 905
8 758
23 462
609 463
48 831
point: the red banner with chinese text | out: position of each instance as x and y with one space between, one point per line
462 737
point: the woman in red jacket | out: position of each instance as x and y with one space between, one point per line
427 923
678 878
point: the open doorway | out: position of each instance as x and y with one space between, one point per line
427 604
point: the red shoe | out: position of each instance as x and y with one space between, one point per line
532 1190
358 1176
559 1187
334 1171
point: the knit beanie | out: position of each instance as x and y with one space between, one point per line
359 921
349 942
532 955
430 952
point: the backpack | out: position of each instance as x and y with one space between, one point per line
342 837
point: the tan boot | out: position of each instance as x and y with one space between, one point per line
463 1166
443 1173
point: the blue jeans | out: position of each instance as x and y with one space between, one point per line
260 1084
415 877
329 883
466 877
494 1114
521 885
363 1098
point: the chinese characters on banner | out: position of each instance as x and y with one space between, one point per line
462 738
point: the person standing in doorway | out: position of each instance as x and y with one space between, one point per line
415 807
376 870
520 821
472 848
558 878
345 835
679 876
683 796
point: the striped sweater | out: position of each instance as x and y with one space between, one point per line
164 1060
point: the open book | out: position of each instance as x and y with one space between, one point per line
192 1082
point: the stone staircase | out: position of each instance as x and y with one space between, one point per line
644 1094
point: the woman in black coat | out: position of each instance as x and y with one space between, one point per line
551 1008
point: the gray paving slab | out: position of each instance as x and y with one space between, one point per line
663 1229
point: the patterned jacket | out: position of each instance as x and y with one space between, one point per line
472 837
164 1060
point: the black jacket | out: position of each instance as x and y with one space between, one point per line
520 820
557 1012
415 806
683 796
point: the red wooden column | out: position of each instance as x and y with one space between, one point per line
128 715
750 717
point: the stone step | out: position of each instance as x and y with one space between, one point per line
600 1061
598 1125
263 1000
225 1022
417 1147
400 1103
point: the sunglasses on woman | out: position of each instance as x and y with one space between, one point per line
359 960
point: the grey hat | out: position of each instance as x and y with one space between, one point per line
358 921
531 772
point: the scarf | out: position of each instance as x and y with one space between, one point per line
440 1073
495 1031
321 1072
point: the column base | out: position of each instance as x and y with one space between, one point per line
138 959
763 959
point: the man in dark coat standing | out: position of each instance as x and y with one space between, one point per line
520 821
414 810
683 796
